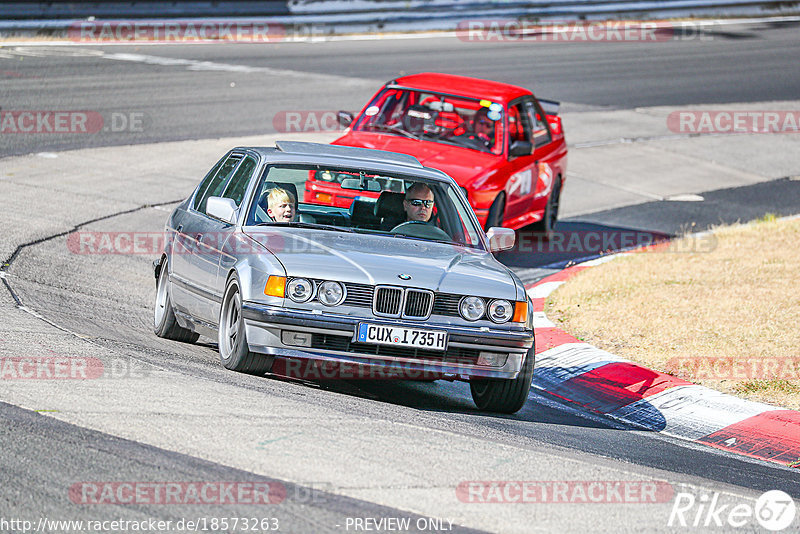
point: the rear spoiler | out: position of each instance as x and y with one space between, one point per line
550 107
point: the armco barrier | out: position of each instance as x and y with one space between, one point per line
330 17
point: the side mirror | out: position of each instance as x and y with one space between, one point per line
521 148
345 118
501 238
220 208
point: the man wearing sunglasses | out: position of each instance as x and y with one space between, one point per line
418 202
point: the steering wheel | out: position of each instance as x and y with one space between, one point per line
420 229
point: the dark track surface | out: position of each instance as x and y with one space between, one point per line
738 65
301 509
647 223
196 101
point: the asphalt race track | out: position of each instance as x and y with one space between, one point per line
342 450
723 64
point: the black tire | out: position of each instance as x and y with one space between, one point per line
547 225
234 352
504 396
164 323
496 212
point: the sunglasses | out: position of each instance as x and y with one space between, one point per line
417 202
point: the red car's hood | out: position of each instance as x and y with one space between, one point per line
463 164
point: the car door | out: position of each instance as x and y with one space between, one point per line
194 265
522 169
223 251
212 235
546 152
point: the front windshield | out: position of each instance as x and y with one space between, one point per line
468 122
363 201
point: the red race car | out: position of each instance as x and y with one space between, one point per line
495 139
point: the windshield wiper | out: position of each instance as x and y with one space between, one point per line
298 224
395 129
427 239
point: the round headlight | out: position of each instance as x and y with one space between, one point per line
472 308
500 311
331 293
300 289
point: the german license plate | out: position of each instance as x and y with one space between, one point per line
402 337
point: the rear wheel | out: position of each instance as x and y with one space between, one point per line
233 349
504 396
496 212
548 223
164 323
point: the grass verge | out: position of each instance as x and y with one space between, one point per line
724 316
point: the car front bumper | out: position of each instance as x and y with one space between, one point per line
333 340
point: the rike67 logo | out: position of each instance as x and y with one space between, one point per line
774 510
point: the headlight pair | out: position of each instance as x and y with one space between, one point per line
328 293
474 308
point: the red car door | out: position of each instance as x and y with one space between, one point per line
548 153
522 169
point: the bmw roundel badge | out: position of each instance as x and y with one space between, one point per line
404 276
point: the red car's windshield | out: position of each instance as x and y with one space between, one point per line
471 123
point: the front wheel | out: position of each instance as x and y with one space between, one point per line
233 349
504 396
164 323
548 223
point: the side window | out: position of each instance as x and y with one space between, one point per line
217 182
205 183
238 184
541 131
519 126
470 236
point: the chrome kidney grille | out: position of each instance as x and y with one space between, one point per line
392 301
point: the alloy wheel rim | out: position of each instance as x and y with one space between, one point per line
161 298
231 320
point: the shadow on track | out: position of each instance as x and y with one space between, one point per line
574 241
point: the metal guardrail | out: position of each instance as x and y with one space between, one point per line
341 16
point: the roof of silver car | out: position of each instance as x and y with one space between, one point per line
317 149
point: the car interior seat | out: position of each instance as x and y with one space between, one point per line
389 209
516 131
362 214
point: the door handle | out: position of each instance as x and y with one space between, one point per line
178 229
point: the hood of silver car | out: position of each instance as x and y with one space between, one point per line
367 259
